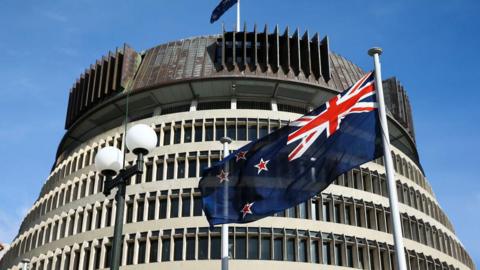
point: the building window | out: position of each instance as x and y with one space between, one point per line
326 253
197 206
190 248
202 248
198 130
314 251
192 167
151 209
153 250
180 168
163 208
170 169
215 247
253 247
208 131
130 253
350 256
240 247
160 169
187 130
266 249
165 249
291 249
140 209
186 206
173 207
302 250
278 249
129 212
177 248
326 211
338 254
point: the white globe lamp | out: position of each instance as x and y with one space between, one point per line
141 139
109 160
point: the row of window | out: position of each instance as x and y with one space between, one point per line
200 130
250 243
188 203
190 165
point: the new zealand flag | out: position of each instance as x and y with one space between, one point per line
296 162
221 8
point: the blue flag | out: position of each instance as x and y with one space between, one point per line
296 162
221 8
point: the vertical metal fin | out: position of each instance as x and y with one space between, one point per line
285 51
274 50
253 52
91 91
86 101
315 56
103 77
244 46
295 53
262 50
234 48
82 92
325 58
305 54
224 40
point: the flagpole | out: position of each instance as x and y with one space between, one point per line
238 16
225 141
392 187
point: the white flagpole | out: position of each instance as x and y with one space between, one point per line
392 187
225 141
238 16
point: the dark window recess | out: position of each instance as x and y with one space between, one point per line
177 249
212 105
253 105
153 250
291 108
176 109
165 249
190 248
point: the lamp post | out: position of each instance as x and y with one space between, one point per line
140 139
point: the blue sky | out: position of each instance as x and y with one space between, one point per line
431 46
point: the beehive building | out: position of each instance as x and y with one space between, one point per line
193 92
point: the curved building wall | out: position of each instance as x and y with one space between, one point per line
348 225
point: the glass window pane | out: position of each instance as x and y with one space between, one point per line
197 206
190 248
192 168
129 253
166 136
241 132
151 209
302 250
240 247
142 248
185 206
177 134
266 249
209 133
219 130
253 248
291 249
163 208
170 169
263 131
278 249
326 253
177 249
198 133
153 250
202 248
314 251
159 171
215 248
231 131
165 249
180 168
302 210
140 209
252 132
203 165
350 256
174 207
187 134
338 254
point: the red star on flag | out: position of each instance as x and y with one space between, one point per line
241 155
247 209
223 176
262 165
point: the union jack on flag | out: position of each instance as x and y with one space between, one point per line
329 120
296 162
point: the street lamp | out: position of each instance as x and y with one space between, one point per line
140 139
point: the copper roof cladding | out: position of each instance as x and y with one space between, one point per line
294 58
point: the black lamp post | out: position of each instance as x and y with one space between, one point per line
140 139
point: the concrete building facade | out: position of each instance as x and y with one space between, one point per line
193 92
